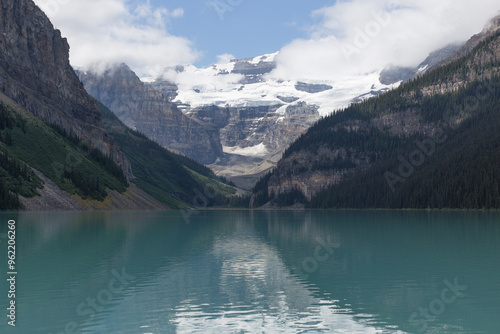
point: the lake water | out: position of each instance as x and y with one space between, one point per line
254 272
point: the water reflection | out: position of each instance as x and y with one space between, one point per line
253 272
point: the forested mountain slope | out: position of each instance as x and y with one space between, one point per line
57 151
431 143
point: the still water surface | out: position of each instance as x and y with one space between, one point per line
255 272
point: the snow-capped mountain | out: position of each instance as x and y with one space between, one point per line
235 116
246 83
259 115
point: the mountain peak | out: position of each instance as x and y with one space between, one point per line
152 113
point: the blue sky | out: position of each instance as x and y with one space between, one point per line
243 28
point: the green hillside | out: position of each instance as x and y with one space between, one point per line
26 141
170 178
62 157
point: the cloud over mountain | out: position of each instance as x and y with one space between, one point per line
349 37
113 31
360 36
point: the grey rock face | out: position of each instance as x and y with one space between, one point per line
167 88
312 89
251 126
262 129
201 132
36 73
151 112
288 99
253 72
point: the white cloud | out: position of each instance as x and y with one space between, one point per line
225 58
352 37
108 31
205 79
362 36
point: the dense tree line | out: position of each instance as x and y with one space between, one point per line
16 178
8 121
260 191
109 165
70 136
281 199
289 198
464 172
8 200
87 185
14 167
239 201
93 153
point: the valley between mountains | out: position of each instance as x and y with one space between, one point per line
233 135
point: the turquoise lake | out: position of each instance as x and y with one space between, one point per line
254 272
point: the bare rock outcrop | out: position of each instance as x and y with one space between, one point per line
35 72
150 112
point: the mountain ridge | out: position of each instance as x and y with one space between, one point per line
36 73
257 118
150 112
59 150
352 157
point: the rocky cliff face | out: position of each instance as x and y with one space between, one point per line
258 115
167 88
150 112
252 126
36 73
254 138
312 89
233 140
254 69
250 119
